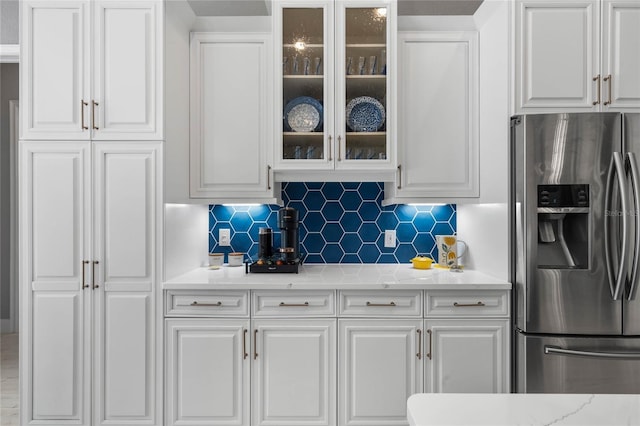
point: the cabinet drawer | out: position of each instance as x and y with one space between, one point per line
293 303
206 303
466 303
380 303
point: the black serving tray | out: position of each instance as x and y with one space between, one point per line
284 268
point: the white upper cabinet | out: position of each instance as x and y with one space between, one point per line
621 54
92 70
334 85
577 55
438 134
231 119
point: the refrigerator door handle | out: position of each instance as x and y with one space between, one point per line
633 283
554 350
616 282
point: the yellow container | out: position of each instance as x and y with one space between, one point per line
422 262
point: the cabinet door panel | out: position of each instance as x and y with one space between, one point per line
621 56
54 229
467 356
294 380
126 204
125 358
557 44
54 69
378 370
55 178
438 129
59 358
127 72
207 372
230 125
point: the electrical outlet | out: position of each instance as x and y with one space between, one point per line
390 238
224 237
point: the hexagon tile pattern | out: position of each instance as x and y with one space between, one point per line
339 223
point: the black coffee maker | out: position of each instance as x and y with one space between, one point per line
287 258
289 237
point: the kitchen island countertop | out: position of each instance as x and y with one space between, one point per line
523 409
337 276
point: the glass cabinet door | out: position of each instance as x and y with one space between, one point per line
364 92
305 85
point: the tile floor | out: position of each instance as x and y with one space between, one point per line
9 396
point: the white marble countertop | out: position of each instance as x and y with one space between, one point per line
337 276
523 409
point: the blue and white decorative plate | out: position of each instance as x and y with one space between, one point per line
365 114
303 114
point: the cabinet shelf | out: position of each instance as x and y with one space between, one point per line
303 77
366 45
365 134
303 134
306 46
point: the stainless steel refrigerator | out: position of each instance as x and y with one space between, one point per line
575 228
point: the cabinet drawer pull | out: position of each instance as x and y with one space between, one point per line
93 275
597 78
399 177
419 354
206 304
244 344
330 148
255 344
430 344
94 104
339 148
381 304
82 105
463 305
608 80
294 304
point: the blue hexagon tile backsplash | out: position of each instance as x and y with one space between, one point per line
339 223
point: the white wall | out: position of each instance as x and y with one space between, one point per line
8 91
485 226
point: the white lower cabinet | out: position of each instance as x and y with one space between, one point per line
379 367
207 371
466 355
288 361
89 230
294 372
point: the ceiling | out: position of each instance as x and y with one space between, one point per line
263 7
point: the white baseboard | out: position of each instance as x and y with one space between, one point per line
5 326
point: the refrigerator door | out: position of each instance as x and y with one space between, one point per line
577 364
631 307
561 280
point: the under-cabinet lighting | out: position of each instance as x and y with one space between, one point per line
427 204
240 204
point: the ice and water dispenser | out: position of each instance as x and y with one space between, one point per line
563 226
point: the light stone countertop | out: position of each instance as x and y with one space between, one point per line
337 276
523 409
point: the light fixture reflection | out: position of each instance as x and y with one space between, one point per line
299 45
381 12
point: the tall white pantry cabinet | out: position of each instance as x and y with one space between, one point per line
91 212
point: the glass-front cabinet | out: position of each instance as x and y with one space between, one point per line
334 86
